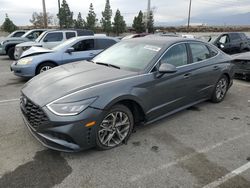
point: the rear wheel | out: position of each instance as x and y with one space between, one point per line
11 52
115 127
220 90
44 67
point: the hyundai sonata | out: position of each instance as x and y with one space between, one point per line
97 103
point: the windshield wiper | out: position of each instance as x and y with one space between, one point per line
108 65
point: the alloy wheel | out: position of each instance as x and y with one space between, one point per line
221 89
114 129
45 68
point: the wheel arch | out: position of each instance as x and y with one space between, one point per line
47 61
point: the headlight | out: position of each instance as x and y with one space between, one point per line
25 61
70 109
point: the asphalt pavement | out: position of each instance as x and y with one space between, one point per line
204 146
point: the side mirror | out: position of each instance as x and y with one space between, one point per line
167 68
70 50
222 46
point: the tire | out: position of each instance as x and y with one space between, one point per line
11 52
248 77
220 89
109 135
44 67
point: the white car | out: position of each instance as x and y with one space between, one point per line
50 39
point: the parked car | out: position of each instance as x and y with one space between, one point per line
85 104
17 33
37 60
242 65
7 46
135 36
50 39
231 43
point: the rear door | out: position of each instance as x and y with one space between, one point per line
52 39
235 41
204 70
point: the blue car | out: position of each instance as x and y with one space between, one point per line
37 60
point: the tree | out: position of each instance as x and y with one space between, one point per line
65 16
38 19
138 23
8 25
106 18
79 22
151 22
119 25
91 18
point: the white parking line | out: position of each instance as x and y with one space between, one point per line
228 176
186 157
10 100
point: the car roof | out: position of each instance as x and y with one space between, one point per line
94 37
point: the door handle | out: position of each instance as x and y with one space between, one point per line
187 75
216 67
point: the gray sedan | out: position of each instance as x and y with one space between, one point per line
82 105
37 60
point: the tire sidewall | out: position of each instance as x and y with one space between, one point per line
11 53
43 65
123 109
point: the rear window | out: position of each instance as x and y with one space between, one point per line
200 52
235 36
104 43
70 35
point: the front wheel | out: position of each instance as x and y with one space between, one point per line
11 52
115 127
44 67
220 90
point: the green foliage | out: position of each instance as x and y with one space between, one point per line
91 18
8 25
119 25
151 22
138 23
65 16
38 19
79 22
106 18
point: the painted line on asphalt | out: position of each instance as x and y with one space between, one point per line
228 176
10 100
184 158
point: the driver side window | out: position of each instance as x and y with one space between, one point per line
176 55
84 45
224 39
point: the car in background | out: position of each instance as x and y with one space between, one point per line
7 46
137 35
242 65
230 43
37 60
50 39
17 33
96 104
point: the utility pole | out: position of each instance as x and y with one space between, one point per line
148 15
189 14
59 6
45 15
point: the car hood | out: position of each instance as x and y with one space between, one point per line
35 51
30 43
69 78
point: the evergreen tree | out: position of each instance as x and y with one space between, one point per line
8 25
79 22
119 25
65 16
138 23
91 18
151 22
106 18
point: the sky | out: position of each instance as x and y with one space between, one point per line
166 11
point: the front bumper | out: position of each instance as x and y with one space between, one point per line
26 71
65 133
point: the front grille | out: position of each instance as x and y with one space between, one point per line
33 113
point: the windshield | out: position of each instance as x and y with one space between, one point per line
41 36
26 34
64 44
131 55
